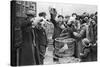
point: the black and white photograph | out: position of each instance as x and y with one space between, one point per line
48 33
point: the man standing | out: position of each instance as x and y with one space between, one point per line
58 27
40 36
27 50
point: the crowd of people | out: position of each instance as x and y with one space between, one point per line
82 28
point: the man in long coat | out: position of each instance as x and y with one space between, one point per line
29 54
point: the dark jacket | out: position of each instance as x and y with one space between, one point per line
87 56
27 56
57 29
41 42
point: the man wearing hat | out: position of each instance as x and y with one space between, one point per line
58 27
28 55
41 37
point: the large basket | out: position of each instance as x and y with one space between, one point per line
60 42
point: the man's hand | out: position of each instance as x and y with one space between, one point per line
81 54
75 34
53 12
62 27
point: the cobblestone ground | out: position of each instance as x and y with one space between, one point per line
49 57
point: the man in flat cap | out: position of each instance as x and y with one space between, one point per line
28 55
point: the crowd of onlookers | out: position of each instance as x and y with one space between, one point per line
82 28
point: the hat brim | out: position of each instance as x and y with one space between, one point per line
31 15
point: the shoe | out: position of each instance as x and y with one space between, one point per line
56 59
